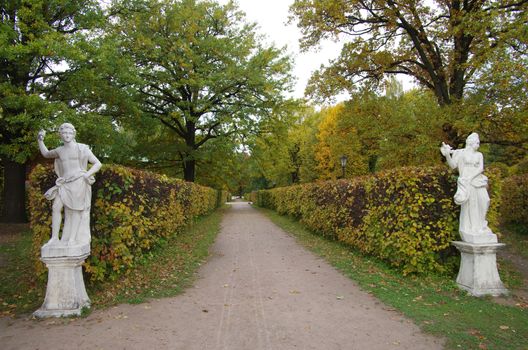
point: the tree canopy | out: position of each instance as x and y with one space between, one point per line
36 38
444 45
200 70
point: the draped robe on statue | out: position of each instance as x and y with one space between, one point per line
471 194
75 192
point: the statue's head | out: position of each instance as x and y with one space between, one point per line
473 140
67 132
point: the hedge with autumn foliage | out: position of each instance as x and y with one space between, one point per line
406 217
514 208
132 212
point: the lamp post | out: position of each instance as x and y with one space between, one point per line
343 164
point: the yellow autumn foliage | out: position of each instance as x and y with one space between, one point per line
335 141
406 216
132 212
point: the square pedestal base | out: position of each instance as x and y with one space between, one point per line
478 272
65 293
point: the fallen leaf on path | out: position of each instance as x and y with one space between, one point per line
340 297
294 292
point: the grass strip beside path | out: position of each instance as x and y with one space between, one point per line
20 291
167 271
433 302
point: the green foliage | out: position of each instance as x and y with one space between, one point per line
132 212
164 272
406 217
36 36
442 44
334 141
471 55
375 133
514 208
199 69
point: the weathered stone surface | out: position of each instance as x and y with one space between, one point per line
65 293
472 194
478 272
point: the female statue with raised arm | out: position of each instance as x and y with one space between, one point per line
73 191
471 194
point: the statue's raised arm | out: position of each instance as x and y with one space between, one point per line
43 149
447 152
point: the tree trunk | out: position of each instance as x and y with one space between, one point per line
189 163
14 194
189 167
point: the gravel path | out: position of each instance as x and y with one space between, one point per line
259 290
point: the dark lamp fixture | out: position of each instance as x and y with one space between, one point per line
343 160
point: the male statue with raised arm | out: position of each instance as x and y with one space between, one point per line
72 191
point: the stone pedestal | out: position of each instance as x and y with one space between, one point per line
65 293
478 272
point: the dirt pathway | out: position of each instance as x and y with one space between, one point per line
259 290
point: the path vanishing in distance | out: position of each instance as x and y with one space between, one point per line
258 290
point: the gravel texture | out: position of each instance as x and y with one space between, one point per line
258 290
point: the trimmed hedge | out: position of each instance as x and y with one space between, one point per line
406 217
514 208
132 212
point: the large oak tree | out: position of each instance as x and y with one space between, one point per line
201 71
445 45
36 38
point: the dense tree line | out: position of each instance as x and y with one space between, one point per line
188 88
151 83
469 60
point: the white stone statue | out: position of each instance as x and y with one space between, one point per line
471 194
73 191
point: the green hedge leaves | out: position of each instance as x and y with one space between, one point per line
406 217
514 208
132 212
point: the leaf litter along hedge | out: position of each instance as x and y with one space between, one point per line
132 212
406 217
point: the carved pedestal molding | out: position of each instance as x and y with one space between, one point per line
65 293
478 272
